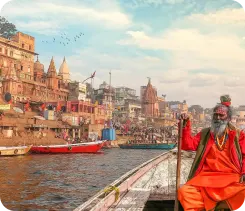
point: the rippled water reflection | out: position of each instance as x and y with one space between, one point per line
62 182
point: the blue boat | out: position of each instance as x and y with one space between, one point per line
164 146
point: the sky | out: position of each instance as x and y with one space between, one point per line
192 50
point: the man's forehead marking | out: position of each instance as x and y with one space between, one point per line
221 110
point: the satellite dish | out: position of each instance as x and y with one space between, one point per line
7 97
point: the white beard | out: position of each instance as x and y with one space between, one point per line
218 127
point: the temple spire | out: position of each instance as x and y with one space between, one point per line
149 80
52 68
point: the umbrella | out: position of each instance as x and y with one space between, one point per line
7 97
39 117
18 110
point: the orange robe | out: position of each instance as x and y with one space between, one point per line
219 180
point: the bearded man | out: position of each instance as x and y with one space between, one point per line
218 170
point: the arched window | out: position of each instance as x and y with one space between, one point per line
19 89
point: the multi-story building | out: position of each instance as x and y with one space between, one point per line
125 93
26 79
77 91
128 108
127 104
105 96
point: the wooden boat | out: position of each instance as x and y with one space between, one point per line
150 186
148 146
14 151
89 147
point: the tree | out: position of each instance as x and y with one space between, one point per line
7 30
197 108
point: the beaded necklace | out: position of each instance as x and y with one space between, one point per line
221 144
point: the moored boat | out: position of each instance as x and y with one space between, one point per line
14 151
165 146
89 147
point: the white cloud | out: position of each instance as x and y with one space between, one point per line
234 81
174 1
155 3
203 80
226 16
173 76
61 13
207 46
41 27
200 46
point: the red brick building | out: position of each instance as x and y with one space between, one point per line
26 79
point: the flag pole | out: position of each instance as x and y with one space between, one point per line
178 173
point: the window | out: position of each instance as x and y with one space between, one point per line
29 69
21 68
1 50
30 47
23 45
6 51
11 53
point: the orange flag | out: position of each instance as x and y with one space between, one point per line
58 108
43 107
27 106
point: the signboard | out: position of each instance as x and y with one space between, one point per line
5 107
82 88
81 96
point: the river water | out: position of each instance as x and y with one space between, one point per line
64 181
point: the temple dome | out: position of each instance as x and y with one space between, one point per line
38 66
64 71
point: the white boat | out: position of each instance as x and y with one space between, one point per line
150 185
14 151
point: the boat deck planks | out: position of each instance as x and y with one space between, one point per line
157 183
161 180
134 200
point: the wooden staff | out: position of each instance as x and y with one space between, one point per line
176 206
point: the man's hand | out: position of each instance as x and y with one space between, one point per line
184 116
242 180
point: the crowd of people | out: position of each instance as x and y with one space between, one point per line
151 135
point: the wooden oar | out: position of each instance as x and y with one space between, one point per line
176 206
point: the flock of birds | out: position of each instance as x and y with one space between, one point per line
65 39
